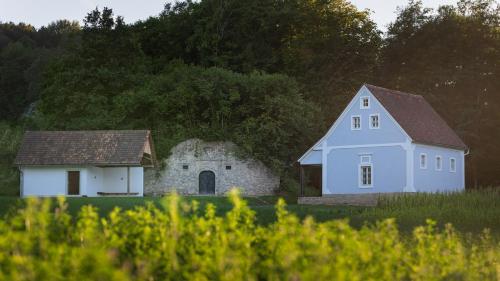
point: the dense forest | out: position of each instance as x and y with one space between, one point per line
268 75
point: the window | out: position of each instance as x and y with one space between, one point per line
439 164
185 167
365 102
365 171
423 161
374 121
356 123
453 165
228 167
366 175
366 159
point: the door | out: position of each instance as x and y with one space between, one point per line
207 182
73 182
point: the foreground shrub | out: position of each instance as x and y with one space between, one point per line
41 242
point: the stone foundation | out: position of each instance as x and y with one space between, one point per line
369 199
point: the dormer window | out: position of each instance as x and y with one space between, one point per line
365 102
356 122
374 121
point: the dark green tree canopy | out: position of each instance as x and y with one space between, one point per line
269 75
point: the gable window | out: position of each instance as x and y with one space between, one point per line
374 121
366 159
365 102
439 164
423 161
453 165
356 122
365 172
185 167
228 167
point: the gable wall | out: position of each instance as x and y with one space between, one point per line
432 180
389 131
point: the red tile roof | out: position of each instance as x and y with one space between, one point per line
98 148
417 117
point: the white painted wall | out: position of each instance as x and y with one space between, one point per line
137 180
49 181
53 181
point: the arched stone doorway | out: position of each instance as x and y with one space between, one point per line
207 182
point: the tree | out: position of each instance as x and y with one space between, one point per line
83 82
453 59
264 114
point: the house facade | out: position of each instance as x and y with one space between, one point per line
197 167
387 141
84 163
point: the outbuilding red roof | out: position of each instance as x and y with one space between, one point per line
417 117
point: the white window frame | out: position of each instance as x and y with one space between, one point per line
370 121
362 102
425 161
440 168
453 168
367 157
362 164
352 122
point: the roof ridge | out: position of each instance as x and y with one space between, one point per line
396 92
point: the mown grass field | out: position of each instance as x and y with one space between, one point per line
469 212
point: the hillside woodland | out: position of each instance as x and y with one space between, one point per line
269 75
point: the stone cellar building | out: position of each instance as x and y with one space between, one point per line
209 168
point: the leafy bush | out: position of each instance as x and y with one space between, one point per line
176 243
10 138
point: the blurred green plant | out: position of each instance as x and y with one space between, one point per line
177 242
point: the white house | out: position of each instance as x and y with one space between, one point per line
84 163
388 141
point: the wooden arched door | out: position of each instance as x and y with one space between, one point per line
207 182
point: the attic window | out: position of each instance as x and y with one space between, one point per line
228 167
374 121
365 102
356 122
185 167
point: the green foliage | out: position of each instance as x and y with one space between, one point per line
177 242
24 52
327 49
264 114
452 58
10 138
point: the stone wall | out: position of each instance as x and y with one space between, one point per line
251 176
367 199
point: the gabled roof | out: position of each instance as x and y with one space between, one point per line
417 118
98 148
413 114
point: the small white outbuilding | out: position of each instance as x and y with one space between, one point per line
84 163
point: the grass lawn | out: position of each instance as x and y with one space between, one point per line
467 212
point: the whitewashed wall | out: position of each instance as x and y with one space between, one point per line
53 181
49 181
